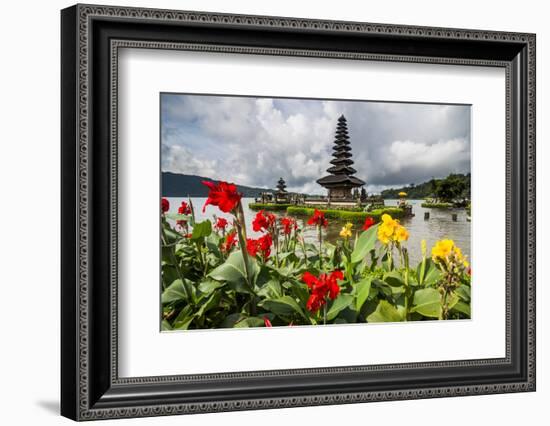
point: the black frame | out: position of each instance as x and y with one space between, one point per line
91 37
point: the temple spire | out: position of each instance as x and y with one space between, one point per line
281 186
340 181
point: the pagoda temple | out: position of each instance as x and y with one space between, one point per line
340 182
281 187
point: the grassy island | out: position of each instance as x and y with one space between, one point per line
353 216
437 205
268 206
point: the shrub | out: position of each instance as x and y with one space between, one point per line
437 205
353 216
269 206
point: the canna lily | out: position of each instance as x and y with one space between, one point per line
369 221
221 224
323 287
263 222
446 250
165 205
184 208
288 224
261 246
318 219
346 230
223 195
390 230
229 242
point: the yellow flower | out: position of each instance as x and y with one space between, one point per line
423 247
401 234
346 230
390 230
460 257
402 194
442 249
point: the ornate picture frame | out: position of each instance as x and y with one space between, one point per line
91 37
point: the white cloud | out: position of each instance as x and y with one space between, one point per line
255 141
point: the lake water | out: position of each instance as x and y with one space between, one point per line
439 226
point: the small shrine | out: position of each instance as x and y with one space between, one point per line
340 182
281 195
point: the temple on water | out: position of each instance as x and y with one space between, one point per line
340 182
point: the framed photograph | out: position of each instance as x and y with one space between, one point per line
263 212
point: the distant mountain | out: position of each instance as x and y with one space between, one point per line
178 185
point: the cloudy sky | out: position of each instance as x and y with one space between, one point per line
253 141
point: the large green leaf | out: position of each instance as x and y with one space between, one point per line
462 308
201 230
338 305
365 244
233 271
209 286
464 292
427 302
165 325
394 278
174 292
210 303
283 306
431 274
362 290
176 216
249 322
385 312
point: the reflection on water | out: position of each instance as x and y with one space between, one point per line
440 225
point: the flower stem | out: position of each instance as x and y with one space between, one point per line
320 247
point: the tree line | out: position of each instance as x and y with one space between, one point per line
455 188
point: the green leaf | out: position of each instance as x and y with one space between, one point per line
462 308
427 302
339 304
210 303
201 230
249 322
283 306
233 271
176 216
174 292
385 312
464 292
184 319
365 244
165 325
209 286
394 278
362 291
431 274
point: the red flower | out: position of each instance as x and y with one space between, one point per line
318 219
321 288
267 322
230 241
184 208
165 205
188 235
369 221
223 195
261 245
263 223
288 224
221 223
310 280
